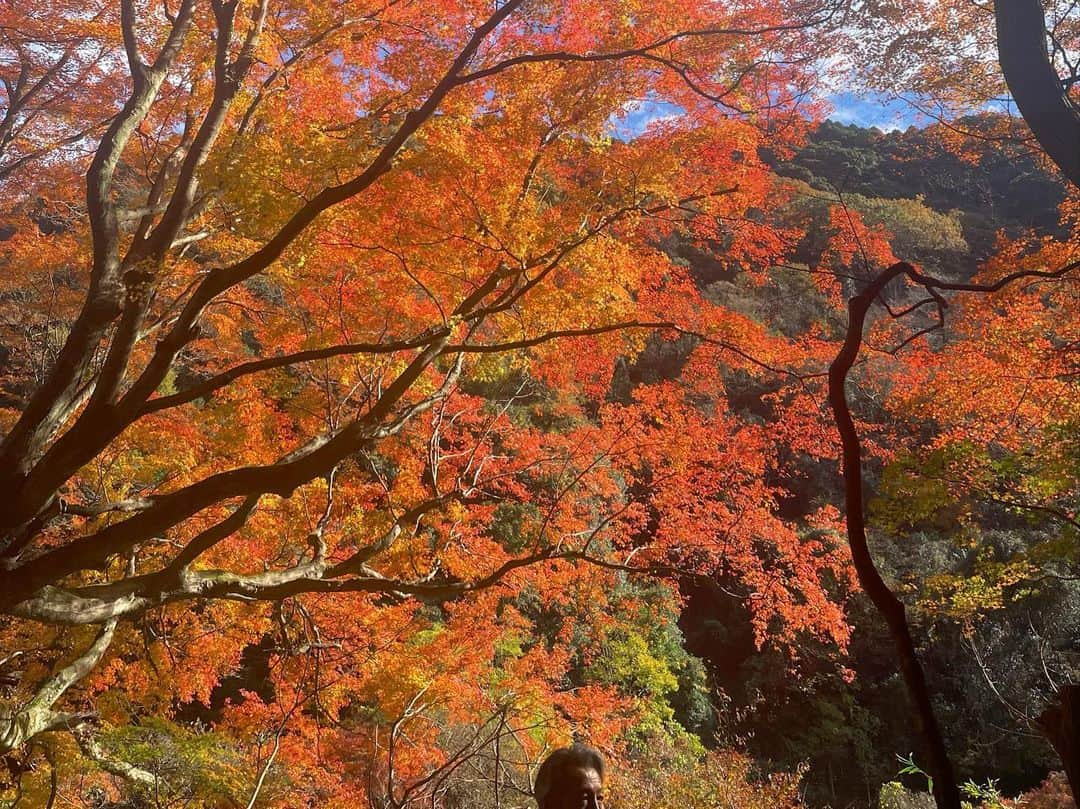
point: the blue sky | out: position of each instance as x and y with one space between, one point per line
634 120
881 112
848 108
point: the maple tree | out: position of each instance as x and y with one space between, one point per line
1005 389
320 323
1002 399
949 59
946 791
999 365
314 311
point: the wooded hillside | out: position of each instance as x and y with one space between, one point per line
394 392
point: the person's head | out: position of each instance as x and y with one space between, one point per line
571 778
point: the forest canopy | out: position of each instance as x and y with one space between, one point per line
393 392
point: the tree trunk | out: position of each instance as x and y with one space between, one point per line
891 609
1036 87
1061 724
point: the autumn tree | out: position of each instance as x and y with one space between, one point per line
1001 400
949 59
307 361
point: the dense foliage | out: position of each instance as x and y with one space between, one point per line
394 391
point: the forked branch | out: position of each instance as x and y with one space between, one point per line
890 607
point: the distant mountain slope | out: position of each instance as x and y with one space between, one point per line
994 188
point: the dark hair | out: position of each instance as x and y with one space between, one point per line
576 757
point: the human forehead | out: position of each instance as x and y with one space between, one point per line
586 778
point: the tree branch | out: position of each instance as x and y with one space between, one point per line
36 483
53 401
37 715
888 605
